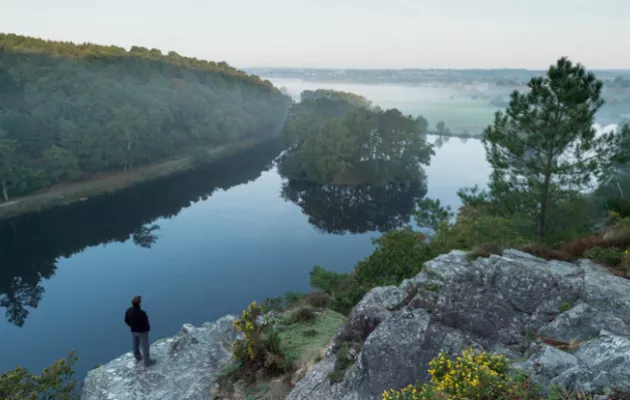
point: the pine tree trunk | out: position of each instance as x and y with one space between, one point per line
619 187
544 201
543 210
4 191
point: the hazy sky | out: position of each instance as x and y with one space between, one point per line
344 33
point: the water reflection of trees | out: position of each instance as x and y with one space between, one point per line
31 245
355 208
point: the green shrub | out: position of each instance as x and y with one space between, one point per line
566 306
429 213
303 314
325 280
343 289
343 361
618 205
399 254
54 383
610 256
474 227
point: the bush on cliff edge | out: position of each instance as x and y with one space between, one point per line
56 382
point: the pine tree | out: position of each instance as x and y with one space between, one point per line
544 144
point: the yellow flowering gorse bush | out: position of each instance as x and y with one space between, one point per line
260 345
469 376
246 349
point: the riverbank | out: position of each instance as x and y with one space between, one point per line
100 184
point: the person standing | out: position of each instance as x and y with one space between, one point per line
138 321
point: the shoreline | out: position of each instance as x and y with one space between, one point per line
100 184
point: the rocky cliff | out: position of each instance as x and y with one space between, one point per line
186 369
565 323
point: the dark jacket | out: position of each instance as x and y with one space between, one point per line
137 320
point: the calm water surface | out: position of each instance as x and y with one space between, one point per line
195 246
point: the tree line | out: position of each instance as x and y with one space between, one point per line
69 111
337 137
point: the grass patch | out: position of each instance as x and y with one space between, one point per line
343 361
303 339
432 287
566 306
310 333
254 392
230 368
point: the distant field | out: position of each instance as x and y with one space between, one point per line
453 106
460 115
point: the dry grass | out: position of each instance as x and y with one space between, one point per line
560 345
574 250
303 314
577 247
317 299
547 253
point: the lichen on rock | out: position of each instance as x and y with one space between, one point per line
187 366
514 304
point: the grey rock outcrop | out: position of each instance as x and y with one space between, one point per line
374 308
186 369
511 304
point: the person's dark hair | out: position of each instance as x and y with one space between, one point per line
136 301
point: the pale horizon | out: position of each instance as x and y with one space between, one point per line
398 34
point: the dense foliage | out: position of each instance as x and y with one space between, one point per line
336 137
69 110
54 383
401 253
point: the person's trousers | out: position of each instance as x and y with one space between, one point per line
141 339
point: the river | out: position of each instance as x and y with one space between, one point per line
196 246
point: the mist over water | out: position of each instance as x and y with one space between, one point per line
463 107
460 108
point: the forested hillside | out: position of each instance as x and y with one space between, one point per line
68 111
